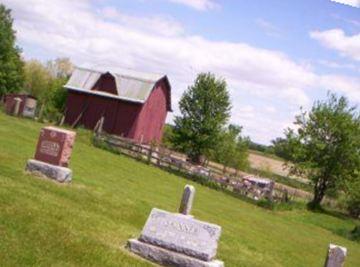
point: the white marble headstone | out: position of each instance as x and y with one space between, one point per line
182 234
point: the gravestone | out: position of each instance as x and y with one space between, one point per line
336 256
176 239
53 153
187 200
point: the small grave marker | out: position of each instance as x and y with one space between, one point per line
336 256
187 200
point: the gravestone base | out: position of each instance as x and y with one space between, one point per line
167 257
58 173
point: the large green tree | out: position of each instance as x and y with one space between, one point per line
11 65
326 146
205 109
37 79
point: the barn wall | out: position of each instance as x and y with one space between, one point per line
152 116
120 116
127 114
75 103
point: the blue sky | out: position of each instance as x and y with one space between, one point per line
276 55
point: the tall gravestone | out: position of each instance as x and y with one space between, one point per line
177 239
53 154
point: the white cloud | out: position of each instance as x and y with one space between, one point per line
352 22
337 65
336 39
269 28
197 4
344 85
353 3
107 37
161 25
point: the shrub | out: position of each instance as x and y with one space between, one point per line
355 234
265 203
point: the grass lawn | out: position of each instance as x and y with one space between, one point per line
87 223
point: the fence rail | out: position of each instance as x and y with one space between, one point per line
163 157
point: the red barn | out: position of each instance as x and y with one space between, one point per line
134 105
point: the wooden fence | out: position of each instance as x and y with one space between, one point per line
171 160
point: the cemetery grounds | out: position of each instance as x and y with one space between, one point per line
88 222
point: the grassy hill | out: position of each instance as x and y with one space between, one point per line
87 223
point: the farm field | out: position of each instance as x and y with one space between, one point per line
262 161
271 164
87 223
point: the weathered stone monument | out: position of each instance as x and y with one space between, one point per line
53 153
17 106
336 256
187 200
177 239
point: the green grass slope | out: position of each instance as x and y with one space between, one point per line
87 223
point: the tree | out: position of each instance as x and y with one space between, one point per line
205 109
11 65
231 150
60 70
242 153
281 148
326 146
352 191
46 84
260 147
168 133
37 80
60 67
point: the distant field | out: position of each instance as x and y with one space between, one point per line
88 222
263 161
271 163
269 166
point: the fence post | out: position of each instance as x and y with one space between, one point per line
17 106
209 175
41 112
138 150
159 157
149 154
62 120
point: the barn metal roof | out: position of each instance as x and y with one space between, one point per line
130 85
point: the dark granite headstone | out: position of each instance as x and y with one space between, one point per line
55 146
52 154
